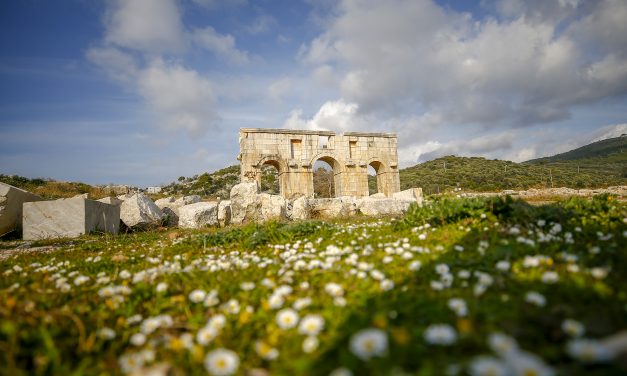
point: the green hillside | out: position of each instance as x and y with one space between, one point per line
612 148
480 174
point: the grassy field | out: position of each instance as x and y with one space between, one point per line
458 287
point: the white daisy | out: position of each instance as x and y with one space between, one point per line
311 325
368 343
440 334
221 362
287 318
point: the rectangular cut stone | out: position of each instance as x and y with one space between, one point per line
11 200
68 218
412 194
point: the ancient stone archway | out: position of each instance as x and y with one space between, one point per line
293 153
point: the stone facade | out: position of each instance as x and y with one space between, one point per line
294 152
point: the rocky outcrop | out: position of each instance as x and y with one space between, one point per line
198 215
68 218
11 200
139 211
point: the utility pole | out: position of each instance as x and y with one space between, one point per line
551 177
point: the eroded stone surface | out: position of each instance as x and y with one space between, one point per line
333 207
11 200
68 218
198 215
138 211
374 207
224 213
412 194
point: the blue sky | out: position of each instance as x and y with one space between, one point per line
143 91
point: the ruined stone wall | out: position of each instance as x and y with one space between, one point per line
293 153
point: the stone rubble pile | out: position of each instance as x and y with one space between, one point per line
620 191
38 219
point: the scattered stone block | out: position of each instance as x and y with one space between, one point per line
271 207
11 200
333 207
224 213
198 215
139 211
412 194
301 209
374 207
68 218
244 202
111 201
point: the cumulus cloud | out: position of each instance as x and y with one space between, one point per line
479 146
139 36
145 25
279 88
609 131
219 44
525 69
180 98
119 65
337 116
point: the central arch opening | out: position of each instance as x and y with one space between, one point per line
270 177
326 172
375 169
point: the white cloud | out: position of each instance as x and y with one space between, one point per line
263 23
146 25
119 66
180 98
523 70
337 116
609 131
278 89
219 44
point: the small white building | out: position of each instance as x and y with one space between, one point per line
153 189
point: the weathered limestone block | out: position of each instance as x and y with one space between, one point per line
378 195
11 200
244 202
186 200
198 215
111 201
333 207
171 216
139 211
170 209
388 206
165 202
271 207
224 213
300 209
68 218
412 194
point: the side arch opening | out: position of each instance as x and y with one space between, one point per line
326 177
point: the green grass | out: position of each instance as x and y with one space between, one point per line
47 327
